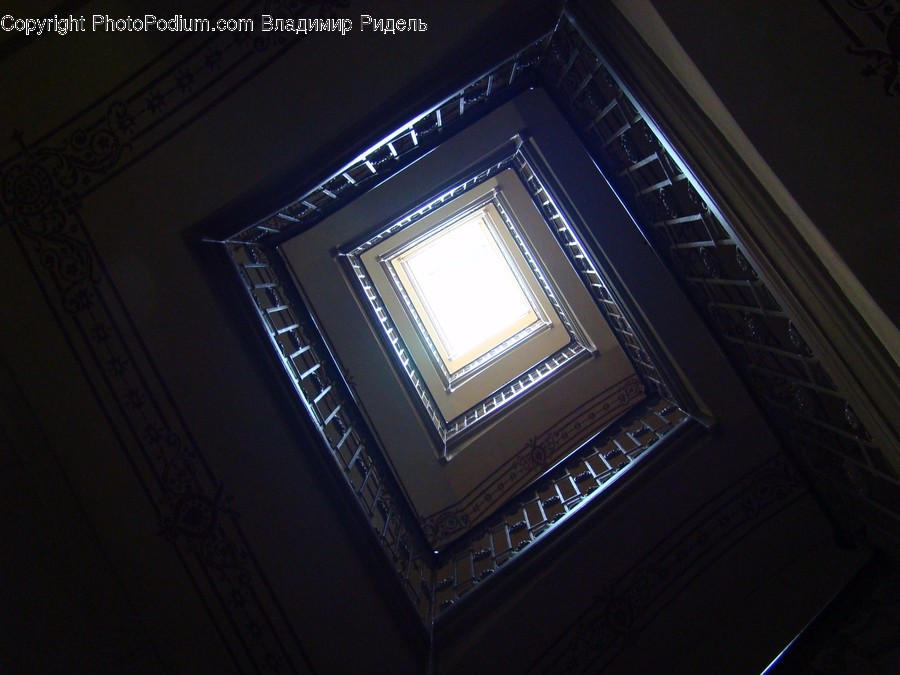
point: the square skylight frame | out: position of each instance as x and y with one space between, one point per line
457 402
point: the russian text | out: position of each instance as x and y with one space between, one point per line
389 26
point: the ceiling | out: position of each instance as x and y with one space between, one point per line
168 503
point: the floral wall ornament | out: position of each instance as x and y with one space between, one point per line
42 189
876 38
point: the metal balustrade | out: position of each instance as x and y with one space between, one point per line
567 236
546 505
502 538
765 343
433 583
403 146
333 414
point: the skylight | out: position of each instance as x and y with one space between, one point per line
465 290
463 303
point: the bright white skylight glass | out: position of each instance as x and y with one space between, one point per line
462 283
463 304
